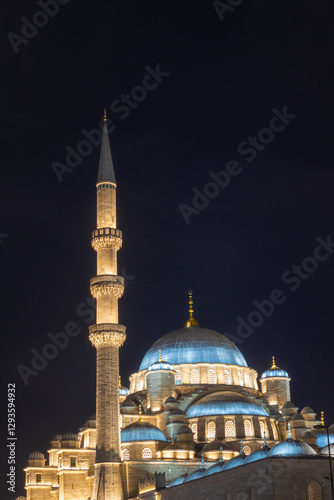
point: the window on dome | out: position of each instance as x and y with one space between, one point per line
248 428
194 429
147 453
226 377
239 378
229 429
262 428
178 377
252 493
247 450
211 376
314 491
194 377
275 433
38 478
211 430
125 454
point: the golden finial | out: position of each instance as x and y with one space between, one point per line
273 366
160 358
191 321
119 381
140 411
105 115
322 419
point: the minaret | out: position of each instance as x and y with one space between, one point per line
107 335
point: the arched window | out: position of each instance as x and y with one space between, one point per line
178 377
211 430
226 377
275 433
239 378
252 493
248 428
194 377
247 450
314 491
146 453
229 429
262 428
194 429
125 454
211 376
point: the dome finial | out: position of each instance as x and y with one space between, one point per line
185 468
264 439
140 411
160 358
105 115
273 366
191 321
202 462
289 431
322 419
119 381
241 447
221 454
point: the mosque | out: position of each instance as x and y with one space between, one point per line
195 421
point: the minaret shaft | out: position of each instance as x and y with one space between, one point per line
107 335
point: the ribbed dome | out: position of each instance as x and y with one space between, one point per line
57 437
178 480
36 455
70 436
257 455
291 448
215 446
235 462
142 431
224 403
218 467
275 372
325 450
195 475
194 345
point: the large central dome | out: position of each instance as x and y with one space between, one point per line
194 345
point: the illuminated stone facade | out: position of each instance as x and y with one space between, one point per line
192 424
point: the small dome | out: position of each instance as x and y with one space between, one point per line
36 455
274 371
160 365
194 345
224 403
218 467
70 436
297 416
290 448
124 391
57 437
170 399
289 404
178 480
321 435
235 461
257 455
128 403
215 446
324 450
307 410
141 431
195 475
184 429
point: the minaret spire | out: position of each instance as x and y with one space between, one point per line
191 321
107 335
106 167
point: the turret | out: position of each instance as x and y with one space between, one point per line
275 386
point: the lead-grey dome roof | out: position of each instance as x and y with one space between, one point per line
194 345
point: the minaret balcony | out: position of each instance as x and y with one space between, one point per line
106 284
107 334
106 237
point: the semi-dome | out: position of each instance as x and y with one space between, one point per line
142 431
224 403
36 455
274 371
194 345
291 448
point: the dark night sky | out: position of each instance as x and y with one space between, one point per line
225 78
